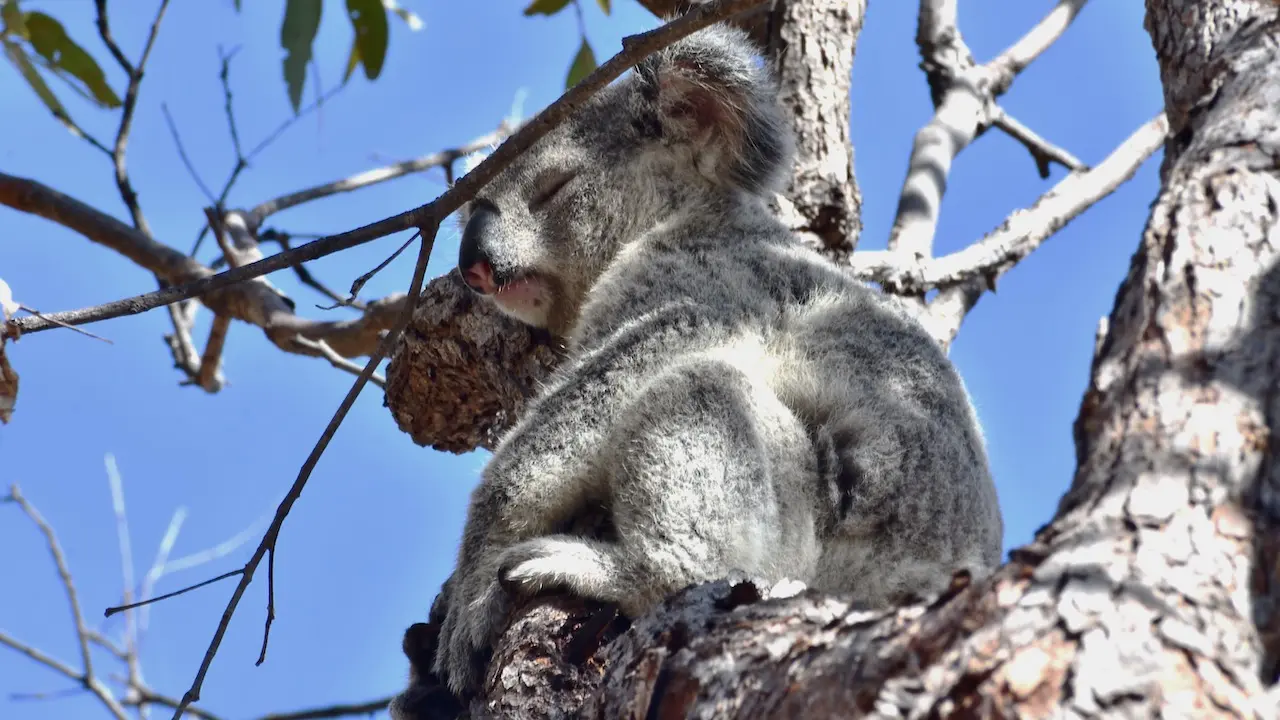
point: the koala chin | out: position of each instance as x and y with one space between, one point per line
734 402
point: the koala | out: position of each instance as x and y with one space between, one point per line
732 401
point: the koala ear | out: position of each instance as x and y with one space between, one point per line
712 91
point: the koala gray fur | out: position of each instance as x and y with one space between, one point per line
733 401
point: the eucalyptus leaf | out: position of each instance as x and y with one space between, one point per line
353 61
297 33
583 63
50 39
545 7
369 20
19 58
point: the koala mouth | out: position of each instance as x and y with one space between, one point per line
527 291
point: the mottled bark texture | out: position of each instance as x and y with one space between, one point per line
1152 593
462 371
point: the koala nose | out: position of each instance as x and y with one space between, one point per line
473 260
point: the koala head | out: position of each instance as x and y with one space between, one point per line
693 126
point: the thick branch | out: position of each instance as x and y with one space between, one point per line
812 45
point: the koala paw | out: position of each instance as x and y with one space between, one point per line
476 607
586 568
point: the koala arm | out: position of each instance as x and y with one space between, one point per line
542 472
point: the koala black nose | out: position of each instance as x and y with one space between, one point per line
473 259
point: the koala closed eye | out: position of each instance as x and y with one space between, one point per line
549 184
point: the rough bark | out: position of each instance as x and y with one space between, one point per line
462 371
1152 592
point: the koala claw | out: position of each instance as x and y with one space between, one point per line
466 638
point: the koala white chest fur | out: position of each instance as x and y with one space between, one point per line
734 402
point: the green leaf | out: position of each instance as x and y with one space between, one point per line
297 32
29 73
583 63
545 7
237 4
604 5
369 20
50 39
12 17
352 62
409 17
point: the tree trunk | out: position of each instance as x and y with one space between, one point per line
1154 590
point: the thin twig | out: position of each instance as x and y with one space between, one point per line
91 683
121 514
167 541
1032 45
182 591
322 348
268 541
375 176
359 283
73 328
182 153
965 275
64 574
305 276
1042 151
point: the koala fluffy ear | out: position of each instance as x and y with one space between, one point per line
712 91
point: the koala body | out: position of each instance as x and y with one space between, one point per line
732 401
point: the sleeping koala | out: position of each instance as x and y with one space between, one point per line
733 401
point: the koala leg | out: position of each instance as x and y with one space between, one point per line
701 475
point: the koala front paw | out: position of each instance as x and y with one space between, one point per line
586 568
475 609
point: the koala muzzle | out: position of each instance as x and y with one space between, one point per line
473 260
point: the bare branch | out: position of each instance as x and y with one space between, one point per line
1042 151
64 574
94 685
118 509
182 154
255 302
156 570
273 531
1022 53
322 348
1025 230
125 608
306 278
210 377
378 175
964 95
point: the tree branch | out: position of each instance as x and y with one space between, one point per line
254 302
372 177
1024 230
964 94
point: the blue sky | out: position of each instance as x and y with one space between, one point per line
374 534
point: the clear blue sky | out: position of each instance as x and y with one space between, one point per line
366 548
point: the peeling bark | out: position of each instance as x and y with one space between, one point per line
1154 590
